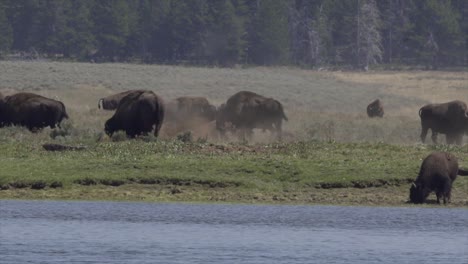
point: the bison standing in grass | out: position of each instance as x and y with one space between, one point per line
136 114
448 118
111 102
32 111
375 109
187 107
188 113
438 172
246 110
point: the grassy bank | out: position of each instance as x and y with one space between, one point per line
332 152
301 172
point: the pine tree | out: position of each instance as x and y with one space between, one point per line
396 25
308 29
436 37
21 15
186 30
269 36
112 25
223 41
78 39
342 23
368 46
6 32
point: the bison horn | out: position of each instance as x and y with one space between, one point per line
413 185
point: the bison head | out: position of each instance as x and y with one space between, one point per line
109 127
417 194
5 113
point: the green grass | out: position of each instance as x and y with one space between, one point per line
264 169
332 152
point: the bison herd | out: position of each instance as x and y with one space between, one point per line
139 112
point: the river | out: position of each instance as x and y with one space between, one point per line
117 232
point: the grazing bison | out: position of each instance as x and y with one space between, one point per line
375 109
438 171
111 102
32 111
246 110
448 118
136 114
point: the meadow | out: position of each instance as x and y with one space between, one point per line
332 153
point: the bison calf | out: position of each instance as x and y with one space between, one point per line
438 171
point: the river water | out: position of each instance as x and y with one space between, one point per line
114 232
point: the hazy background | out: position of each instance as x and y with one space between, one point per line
320 104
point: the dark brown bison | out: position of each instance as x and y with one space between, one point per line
32 111
375 109
438 171
188 113
111 102
448 118
185 107
136 114
246 110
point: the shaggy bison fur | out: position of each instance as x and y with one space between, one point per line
32 111
111 102
438 171
246 110
136 114
375 109
448 118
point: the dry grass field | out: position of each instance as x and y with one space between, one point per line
320 105
332 152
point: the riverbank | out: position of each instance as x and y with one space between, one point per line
374 162
375 196
312 172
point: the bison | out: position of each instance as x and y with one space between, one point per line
188 113
136 114
246 110
186 107
437 173
111 102
448 118
375 109
32 111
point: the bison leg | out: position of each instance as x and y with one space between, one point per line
434 137
459 139
424 133
449 139
279 130
157 128
446 192
454 138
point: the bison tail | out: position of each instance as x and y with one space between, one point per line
462 172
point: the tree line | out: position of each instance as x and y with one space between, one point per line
308 33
